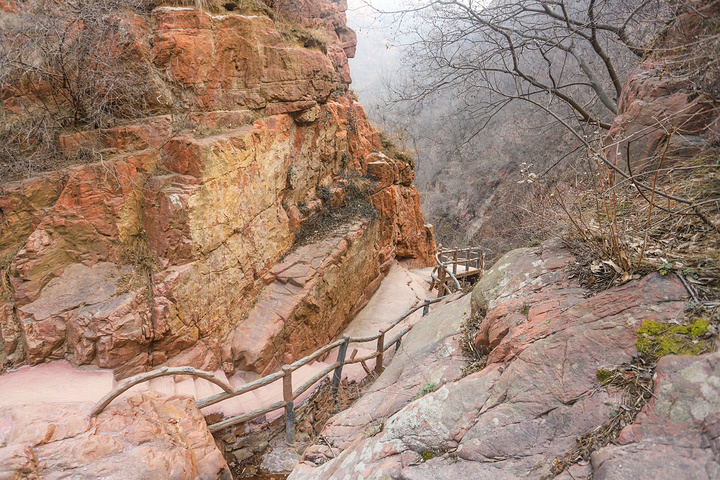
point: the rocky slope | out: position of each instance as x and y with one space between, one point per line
671 98
155 252
567 370
522 414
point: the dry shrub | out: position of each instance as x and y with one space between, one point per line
314 413
241 7
621 228
65 66
631 215
393 145
136 252
469 330
78 62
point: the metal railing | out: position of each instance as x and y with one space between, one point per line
289 394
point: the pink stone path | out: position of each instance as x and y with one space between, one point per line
60 382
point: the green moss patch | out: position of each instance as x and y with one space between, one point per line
603 375
656 339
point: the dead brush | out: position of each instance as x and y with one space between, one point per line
663 217
468 332
627 216
242 7
634 380
6 262
137 253
314 413
390 147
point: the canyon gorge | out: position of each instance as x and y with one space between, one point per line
200 189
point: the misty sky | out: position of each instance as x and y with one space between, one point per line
376 58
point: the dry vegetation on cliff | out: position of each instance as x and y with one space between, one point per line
69 67
660 211
645 196
620 231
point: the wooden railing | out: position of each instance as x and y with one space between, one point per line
455 264
289 394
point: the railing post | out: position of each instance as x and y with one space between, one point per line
467 259
337 375
442 276
379 358
455 262
426 308
288 399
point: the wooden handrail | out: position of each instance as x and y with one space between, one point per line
248 387
318 376
397 337
230 421
447 258
289 395
305 360
130 382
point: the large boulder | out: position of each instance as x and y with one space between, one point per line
143 436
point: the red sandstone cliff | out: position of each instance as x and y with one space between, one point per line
157 250
672 95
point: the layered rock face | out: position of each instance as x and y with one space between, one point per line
156 252
538 393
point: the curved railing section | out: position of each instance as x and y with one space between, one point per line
130 382
454 265
290 394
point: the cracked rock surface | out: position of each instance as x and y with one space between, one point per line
538 393
156 252
144 436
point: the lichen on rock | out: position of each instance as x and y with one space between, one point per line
658 340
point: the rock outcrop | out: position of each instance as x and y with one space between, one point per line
676 436
144 436
155 251
668 107
537 395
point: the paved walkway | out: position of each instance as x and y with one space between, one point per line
60 382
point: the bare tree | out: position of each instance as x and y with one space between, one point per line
560 55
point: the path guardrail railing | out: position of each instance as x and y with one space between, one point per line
290 394
454 264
